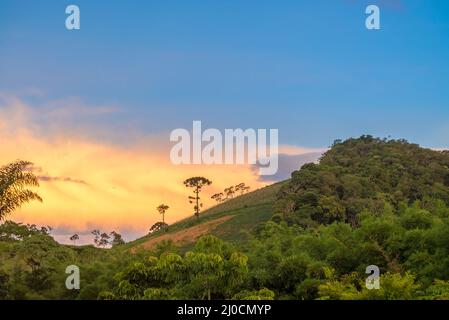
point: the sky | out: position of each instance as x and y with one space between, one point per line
93 108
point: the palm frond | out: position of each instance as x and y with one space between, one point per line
14 178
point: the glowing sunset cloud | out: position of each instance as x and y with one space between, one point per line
89 184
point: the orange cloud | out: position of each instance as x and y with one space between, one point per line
87 183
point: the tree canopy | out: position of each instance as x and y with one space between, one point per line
363 174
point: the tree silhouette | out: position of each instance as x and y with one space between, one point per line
96 234
14 178
242 188
229 192
104 240
100 239
116 239
12 231
158 226
197 183
218 197
162 209
74 238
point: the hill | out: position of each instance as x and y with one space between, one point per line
363 174
353 176
230 220
369 203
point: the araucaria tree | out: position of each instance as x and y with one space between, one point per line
162 209
242 188
14 178
229 192
197 183
218 197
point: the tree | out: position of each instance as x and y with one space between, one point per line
104 240
74 238
12 231
42 256
116 239
216 270
362 174
96 233
158 226
162 209
229 192
212 270
218 197
241 187
197 183
100 239
14 178
394 287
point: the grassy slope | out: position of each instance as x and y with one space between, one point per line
247 210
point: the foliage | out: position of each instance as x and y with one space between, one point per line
211 270
14 178
228 193
368 202
33 267
410 246
218 197
262 294
363 174
12 231
116 239
158 226
393 287
102 239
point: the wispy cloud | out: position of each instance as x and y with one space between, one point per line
42 176
61 179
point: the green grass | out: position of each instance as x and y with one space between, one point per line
237 228
248 210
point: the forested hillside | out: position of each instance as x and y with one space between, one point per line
363 174
368 202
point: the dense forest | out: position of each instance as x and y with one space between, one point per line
368 201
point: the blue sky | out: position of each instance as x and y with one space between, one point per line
309 68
